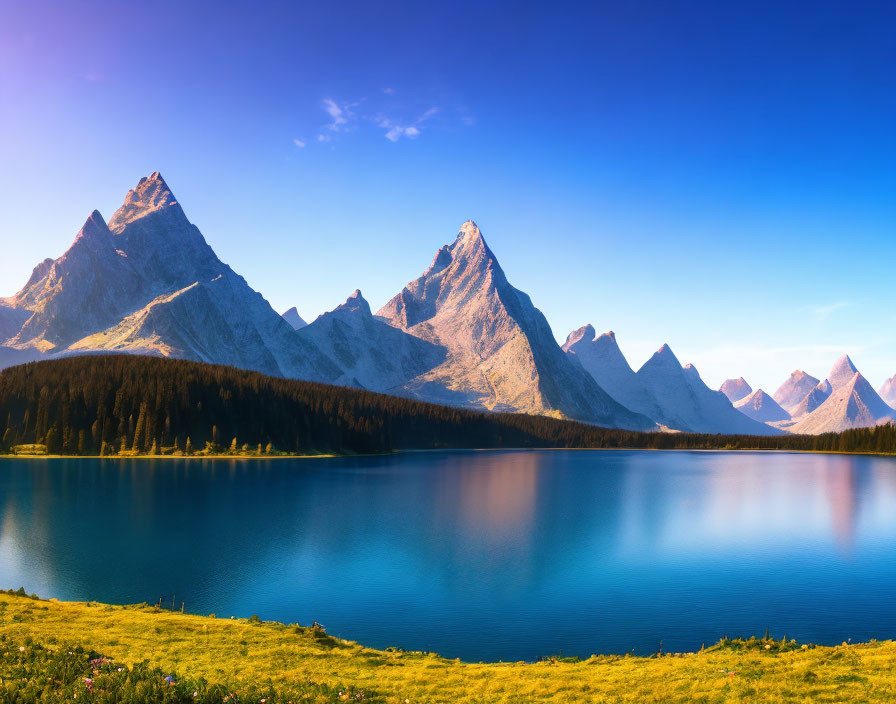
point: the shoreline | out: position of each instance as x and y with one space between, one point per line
455 449
238 653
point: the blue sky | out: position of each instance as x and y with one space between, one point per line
719 176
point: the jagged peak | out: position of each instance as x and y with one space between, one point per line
356 302
150 195
609 334
40 271
469 230
586 333
691 370
94 229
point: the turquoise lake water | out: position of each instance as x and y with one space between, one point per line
478 555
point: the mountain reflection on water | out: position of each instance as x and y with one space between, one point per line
479 555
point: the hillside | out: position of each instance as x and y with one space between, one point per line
110 404
219 659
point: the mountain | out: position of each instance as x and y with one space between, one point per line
148 283
888 391
854 404
795 389
736 389
371 353
501 353
762 407
603 360
294 319
842 372
11 320
817 396
686 403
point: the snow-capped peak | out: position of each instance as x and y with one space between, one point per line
149 196
842 372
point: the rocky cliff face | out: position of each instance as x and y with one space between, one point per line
501 353
148 283
370 353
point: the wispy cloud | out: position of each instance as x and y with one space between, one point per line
339 115
395 131
380 112
823 312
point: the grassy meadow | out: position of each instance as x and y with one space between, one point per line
59 651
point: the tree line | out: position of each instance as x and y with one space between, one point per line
123 404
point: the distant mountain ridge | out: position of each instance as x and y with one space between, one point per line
661 389
148 283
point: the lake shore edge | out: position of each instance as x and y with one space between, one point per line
337 455
240 652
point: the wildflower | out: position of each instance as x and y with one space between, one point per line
88 682
21 648
170 680
768 647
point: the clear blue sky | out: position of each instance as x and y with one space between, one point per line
720 176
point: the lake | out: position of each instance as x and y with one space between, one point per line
478 555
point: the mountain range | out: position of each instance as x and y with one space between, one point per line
148 283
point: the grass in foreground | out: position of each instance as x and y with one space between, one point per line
252 661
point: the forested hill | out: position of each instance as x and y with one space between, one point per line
121 404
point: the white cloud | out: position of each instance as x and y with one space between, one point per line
388 91
339 115
299 143
323 138
395 131
428 114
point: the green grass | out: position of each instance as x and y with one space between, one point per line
216 658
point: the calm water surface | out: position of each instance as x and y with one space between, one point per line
478 555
